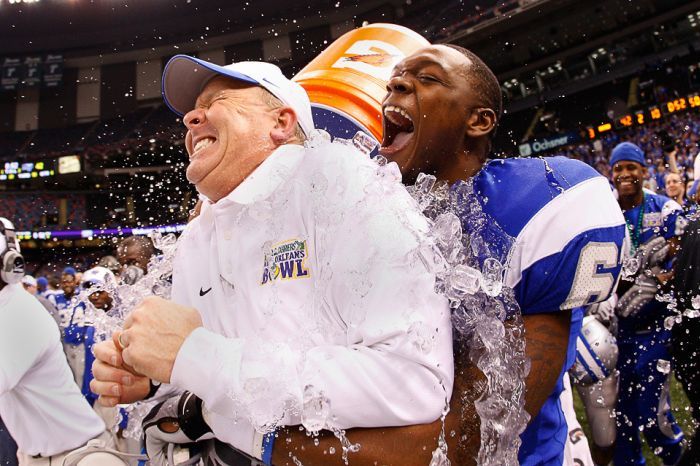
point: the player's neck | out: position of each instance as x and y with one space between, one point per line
462 167
631 201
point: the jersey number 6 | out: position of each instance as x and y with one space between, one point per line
588 282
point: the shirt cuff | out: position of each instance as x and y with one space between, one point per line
205 357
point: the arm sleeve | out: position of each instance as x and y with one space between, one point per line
569 254
395 365
25 334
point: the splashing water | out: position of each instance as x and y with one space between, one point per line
663 366
125 297
439 457
630 266
467 252
695 302
347 447
315 410
492 277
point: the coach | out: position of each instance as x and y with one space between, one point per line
292 278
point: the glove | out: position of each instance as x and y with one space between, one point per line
643 291
652 253
177 420
604 311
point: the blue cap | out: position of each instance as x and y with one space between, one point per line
42 283
184 77
69 271
627 151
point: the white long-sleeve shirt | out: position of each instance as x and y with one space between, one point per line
307 276
39 401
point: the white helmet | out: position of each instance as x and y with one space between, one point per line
596 353
101 276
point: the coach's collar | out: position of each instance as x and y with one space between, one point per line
269 176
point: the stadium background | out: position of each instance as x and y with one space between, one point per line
86 143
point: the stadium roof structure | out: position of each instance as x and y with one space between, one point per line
109 26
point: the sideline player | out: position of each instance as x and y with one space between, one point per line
39 401
643 341
442 107
298 276
133 254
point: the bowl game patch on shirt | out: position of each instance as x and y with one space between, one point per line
285 260
652 220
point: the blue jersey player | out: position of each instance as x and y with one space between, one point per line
643 340
62 299
440 112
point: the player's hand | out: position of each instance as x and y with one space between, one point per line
153 334
638 295
652 253
177 420
604 311
113 381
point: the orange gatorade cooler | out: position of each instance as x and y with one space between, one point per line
347 82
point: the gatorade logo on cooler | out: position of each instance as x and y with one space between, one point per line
346 83
372 57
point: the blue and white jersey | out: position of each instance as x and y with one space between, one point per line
568 230
565 250
77 325
64 306
660 216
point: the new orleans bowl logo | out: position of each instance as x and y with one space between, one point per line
285 260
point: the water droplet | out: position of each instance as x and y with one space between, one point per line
663 366
315 410
492 277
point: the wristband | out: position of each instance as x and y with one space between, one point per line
268 442
262 447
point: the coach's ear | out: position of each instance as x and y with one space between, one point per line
481 122
283 130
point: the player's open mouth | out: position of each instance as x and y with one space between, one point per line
398 130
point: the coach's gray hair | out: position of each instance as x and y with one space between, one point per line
274 103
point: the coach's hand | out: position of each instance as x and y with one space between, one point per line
153 334
113 381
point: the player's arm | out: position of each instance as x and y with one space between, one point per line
672 164
395 446
546 340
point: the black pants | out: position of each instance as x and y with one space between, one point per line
8 447
686 335
686 358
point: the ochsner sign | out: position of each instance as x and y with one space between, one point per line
541 145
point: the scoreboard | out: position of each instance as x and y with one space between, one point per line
641 117
10 171
28 170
